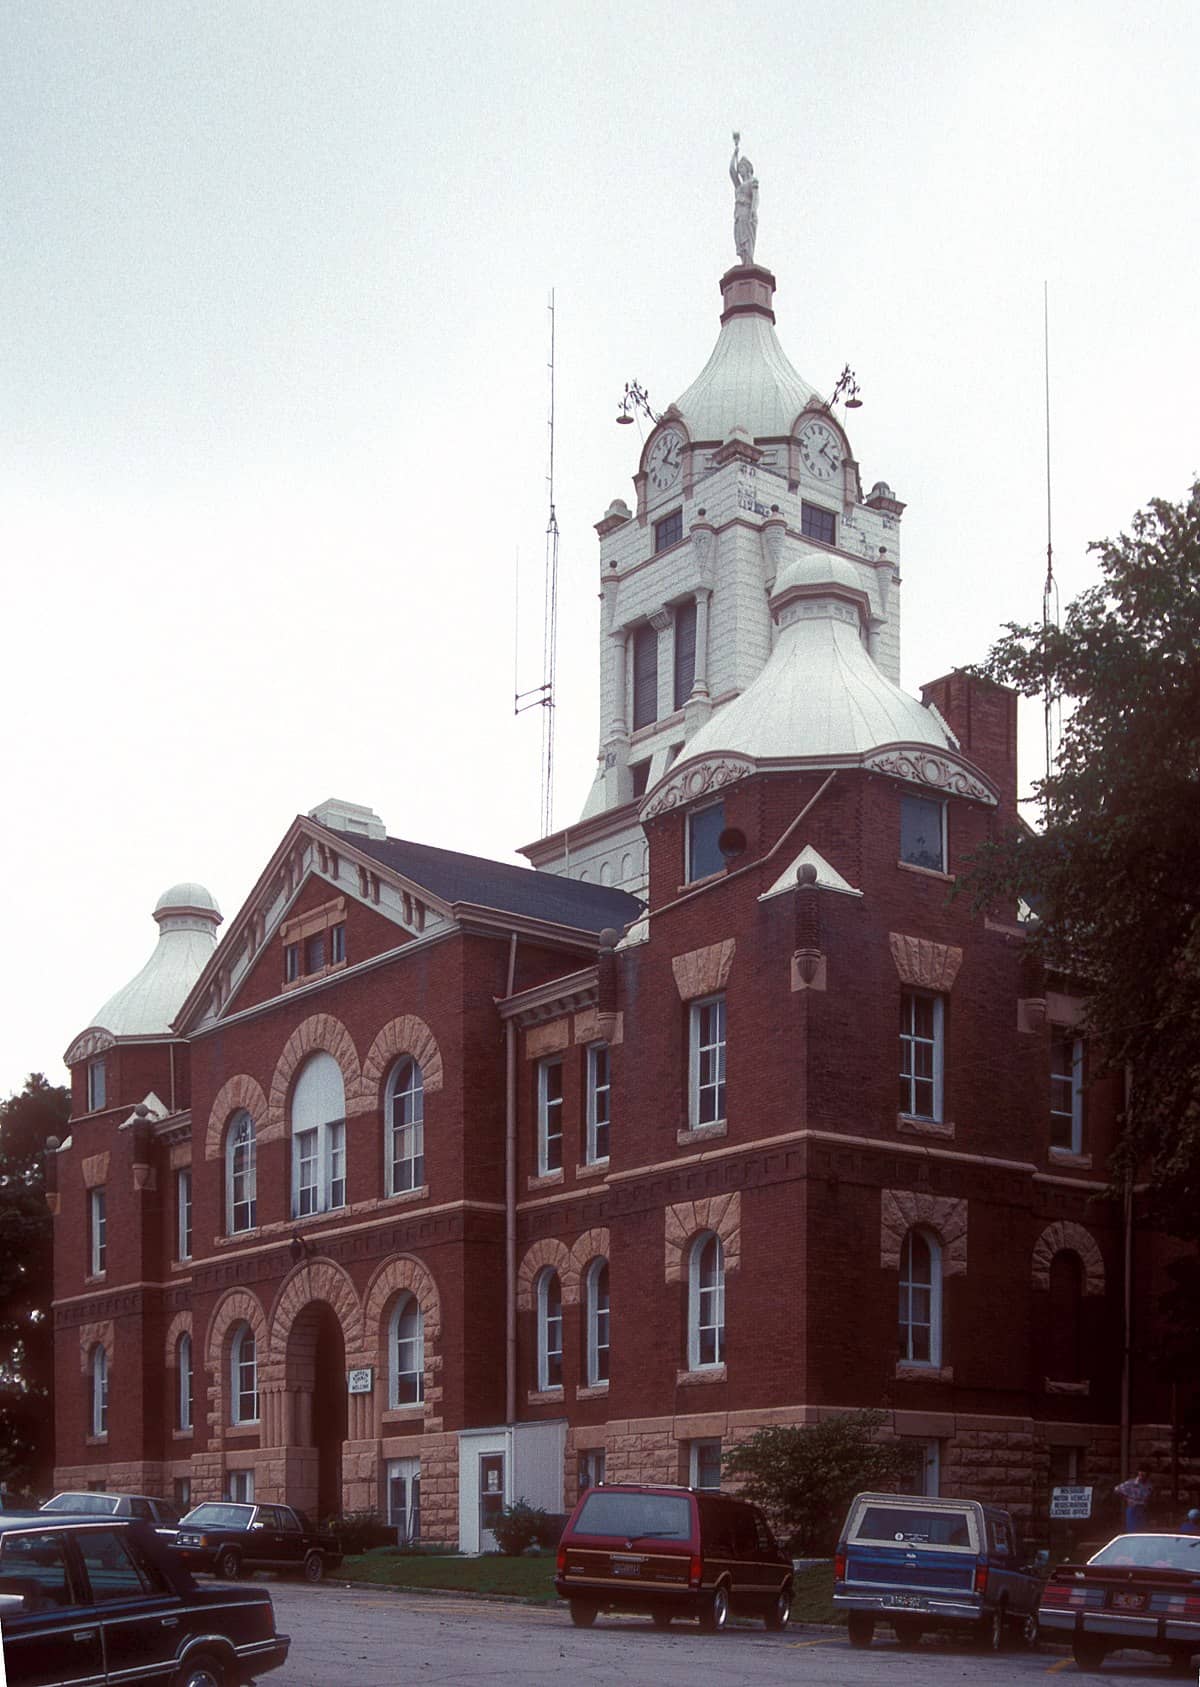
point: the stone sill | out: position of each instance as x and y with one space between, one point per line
406 1197
544 1397
593 1168
96 1440
313 977
405 1414
545 1180
183 1434
1067 1157
1067 1387
702 1133
593 1391
182 1264
926 872
99 1277
243 1431
912 1126
709 1373
906 1372
699 884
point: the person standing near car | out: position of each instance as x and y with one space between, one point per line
1190 1524
1136 1492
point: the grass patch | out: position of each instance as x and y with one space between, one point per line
528 1577
812 1601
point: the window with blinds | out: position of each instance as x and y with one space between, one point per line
645 676
685 651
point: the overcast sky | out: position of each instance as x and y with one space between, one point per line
274 394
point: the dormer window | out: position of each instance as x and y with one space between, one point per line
668 531
817 523
314 943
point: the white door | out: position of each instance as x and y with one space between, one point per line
491 1497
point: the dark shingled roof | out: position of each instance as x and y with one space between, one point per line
496 884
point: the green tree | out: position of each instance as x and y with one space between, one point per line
1114 872
805 1478
40 1111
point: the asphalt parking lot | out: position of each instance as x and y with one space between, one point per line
372 1637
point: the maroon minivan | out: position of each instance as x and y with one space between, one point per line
672 1552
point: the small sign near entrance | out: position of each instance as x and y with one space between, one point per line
362 1381
1071 1502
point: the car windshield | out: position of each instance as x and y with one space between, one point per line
1152 1552
216 1516
915 1525
83 1504
668 1517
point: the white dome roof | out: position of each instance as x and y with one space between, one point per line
188 917
748 381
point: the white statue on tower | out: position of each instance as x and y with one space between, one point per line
745 203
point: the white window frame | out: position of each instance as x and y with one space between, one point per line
405 1518
599 1105
318 1156
243 1377
549 1331
240 1484
98 1232
1062 1037
183 1213
910 1285
700 1451
184 1381
597 1303
99 1401
707 1042
910 1045
406 1354
405 1113
97 1086
706 1303
241 1174
549 1116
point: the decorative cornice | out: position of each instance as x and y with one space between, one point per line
919 766
697 779
90 1042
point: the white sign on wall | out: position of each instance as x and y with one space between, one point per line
1071 1502
362 1380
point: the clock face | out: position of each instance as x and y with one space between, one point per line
820 450
665 459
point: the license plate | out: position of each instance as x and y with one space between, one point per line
620 1569
905 1601
1129 1601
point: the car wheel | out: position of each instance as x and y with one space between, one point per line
229 1564
861 1628
908 1631
201 1671
583 1615
780 1613
314 1566
661 1619
989 1631
1090 1651
715 1614
1029 1629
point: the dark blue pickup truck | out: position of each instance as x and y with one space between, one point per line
918 1563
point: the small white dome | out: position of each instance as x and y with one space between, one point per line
187 897
188 918
809 570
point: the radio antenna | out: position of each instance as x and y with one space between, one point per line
544 695
1050 589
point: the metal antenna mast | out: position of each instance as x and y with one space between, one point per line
544 695
1050 590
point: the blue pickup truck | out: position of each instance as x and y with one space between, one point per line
919 1563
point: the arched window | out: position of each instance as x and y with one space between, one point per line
596 1296
99 1370
243 1376
241 1174
920 1299
405 1106
549 1330
318 1137
406 1353
183 1377
706 1303
1065 1357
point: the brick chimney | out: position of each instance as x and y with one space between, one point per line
983 717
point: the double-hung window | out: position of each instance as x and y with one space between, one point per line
318 1138
99 1412
549 1331
241 1174
707 1048
923 833
183 1213
406 1350
706 1303
183 1373
920 1300
98 1215
243 1376
705 827
921 1054
406 1123
550 1107
1066 1090
96 1086
596 1293
599 1096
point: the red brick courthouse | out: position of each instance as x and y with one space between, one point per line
436 1181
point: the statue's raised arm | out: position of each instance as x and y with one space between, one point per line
745 204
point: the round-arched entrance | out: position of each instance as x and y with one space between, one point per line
316 1382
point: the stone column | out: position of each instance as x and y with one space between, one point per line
700 681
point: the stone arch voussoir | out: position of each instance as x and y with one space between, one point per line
593 1244
100 1334
685 1220
395 1276
238 1306
902 1210
548 1252
314 1280
1066 1237
180 1325
406 1035
320 1033
238 1092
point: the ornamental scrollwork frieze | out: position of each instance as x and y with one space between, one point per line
923 767
90 1042
698 779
